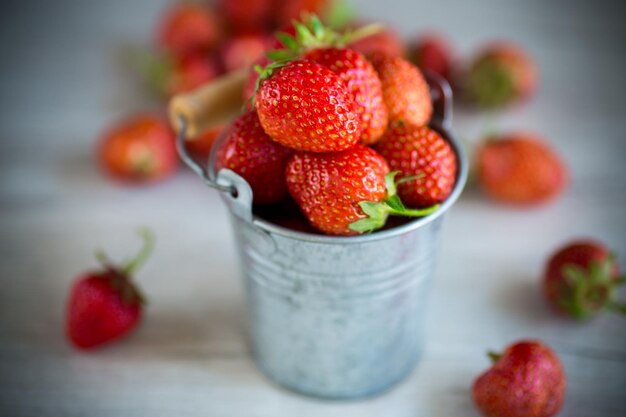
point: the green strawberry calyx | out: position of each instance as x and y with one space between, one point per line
491 83
587 292
378 212
120 279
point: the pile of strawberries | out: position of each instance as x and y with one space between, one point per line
339 132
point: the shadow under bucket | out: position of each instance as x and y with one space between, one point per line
336 317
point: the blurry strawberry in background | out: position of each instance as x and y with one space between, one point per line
247 15
432 52
189 27
581 280
386 42
501 74
188 73
200 148
287 10
520 168
242 50
139 149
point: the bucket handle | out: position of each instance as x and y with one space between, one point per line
441 95
237 191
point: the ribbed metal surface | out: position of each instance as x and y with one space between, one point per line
337 321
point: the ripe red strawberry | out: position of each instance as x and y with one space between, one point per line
385 42
362 81
189 73
328 187
499 75
405 91
347 192
526 381
241 51
251 153
433 53
105 305
247 15
521 169
422 154
139 149
581 280
188 28
305 106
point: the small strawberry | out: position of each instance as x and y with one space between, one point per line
241 51
345 193
247 15
140 149
251 153
527 380
581 280
385 42
362 81
433 53
105 305
501 74
520 169
422 154
305 106
189 28
405 91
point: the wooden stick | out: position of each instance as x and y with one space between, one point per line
210 105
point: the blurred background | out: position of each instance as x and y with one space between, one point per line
66 76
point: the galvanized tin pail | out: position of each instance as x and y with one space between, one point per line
336 317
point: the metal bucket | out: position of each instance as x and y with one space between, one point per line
336 317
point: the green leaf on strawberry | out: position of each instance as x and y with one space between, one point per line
378 212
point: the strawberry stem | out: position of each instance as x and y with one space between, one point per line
494 356
378 212
148 238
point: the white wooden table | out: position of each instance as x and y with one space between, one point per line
60 84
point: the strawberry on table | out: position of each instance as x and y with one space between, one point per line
520 168
501 74
105 305
581 280
422 154
139 149
405 91
527 380
251 153
364 85
306 106
189 27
